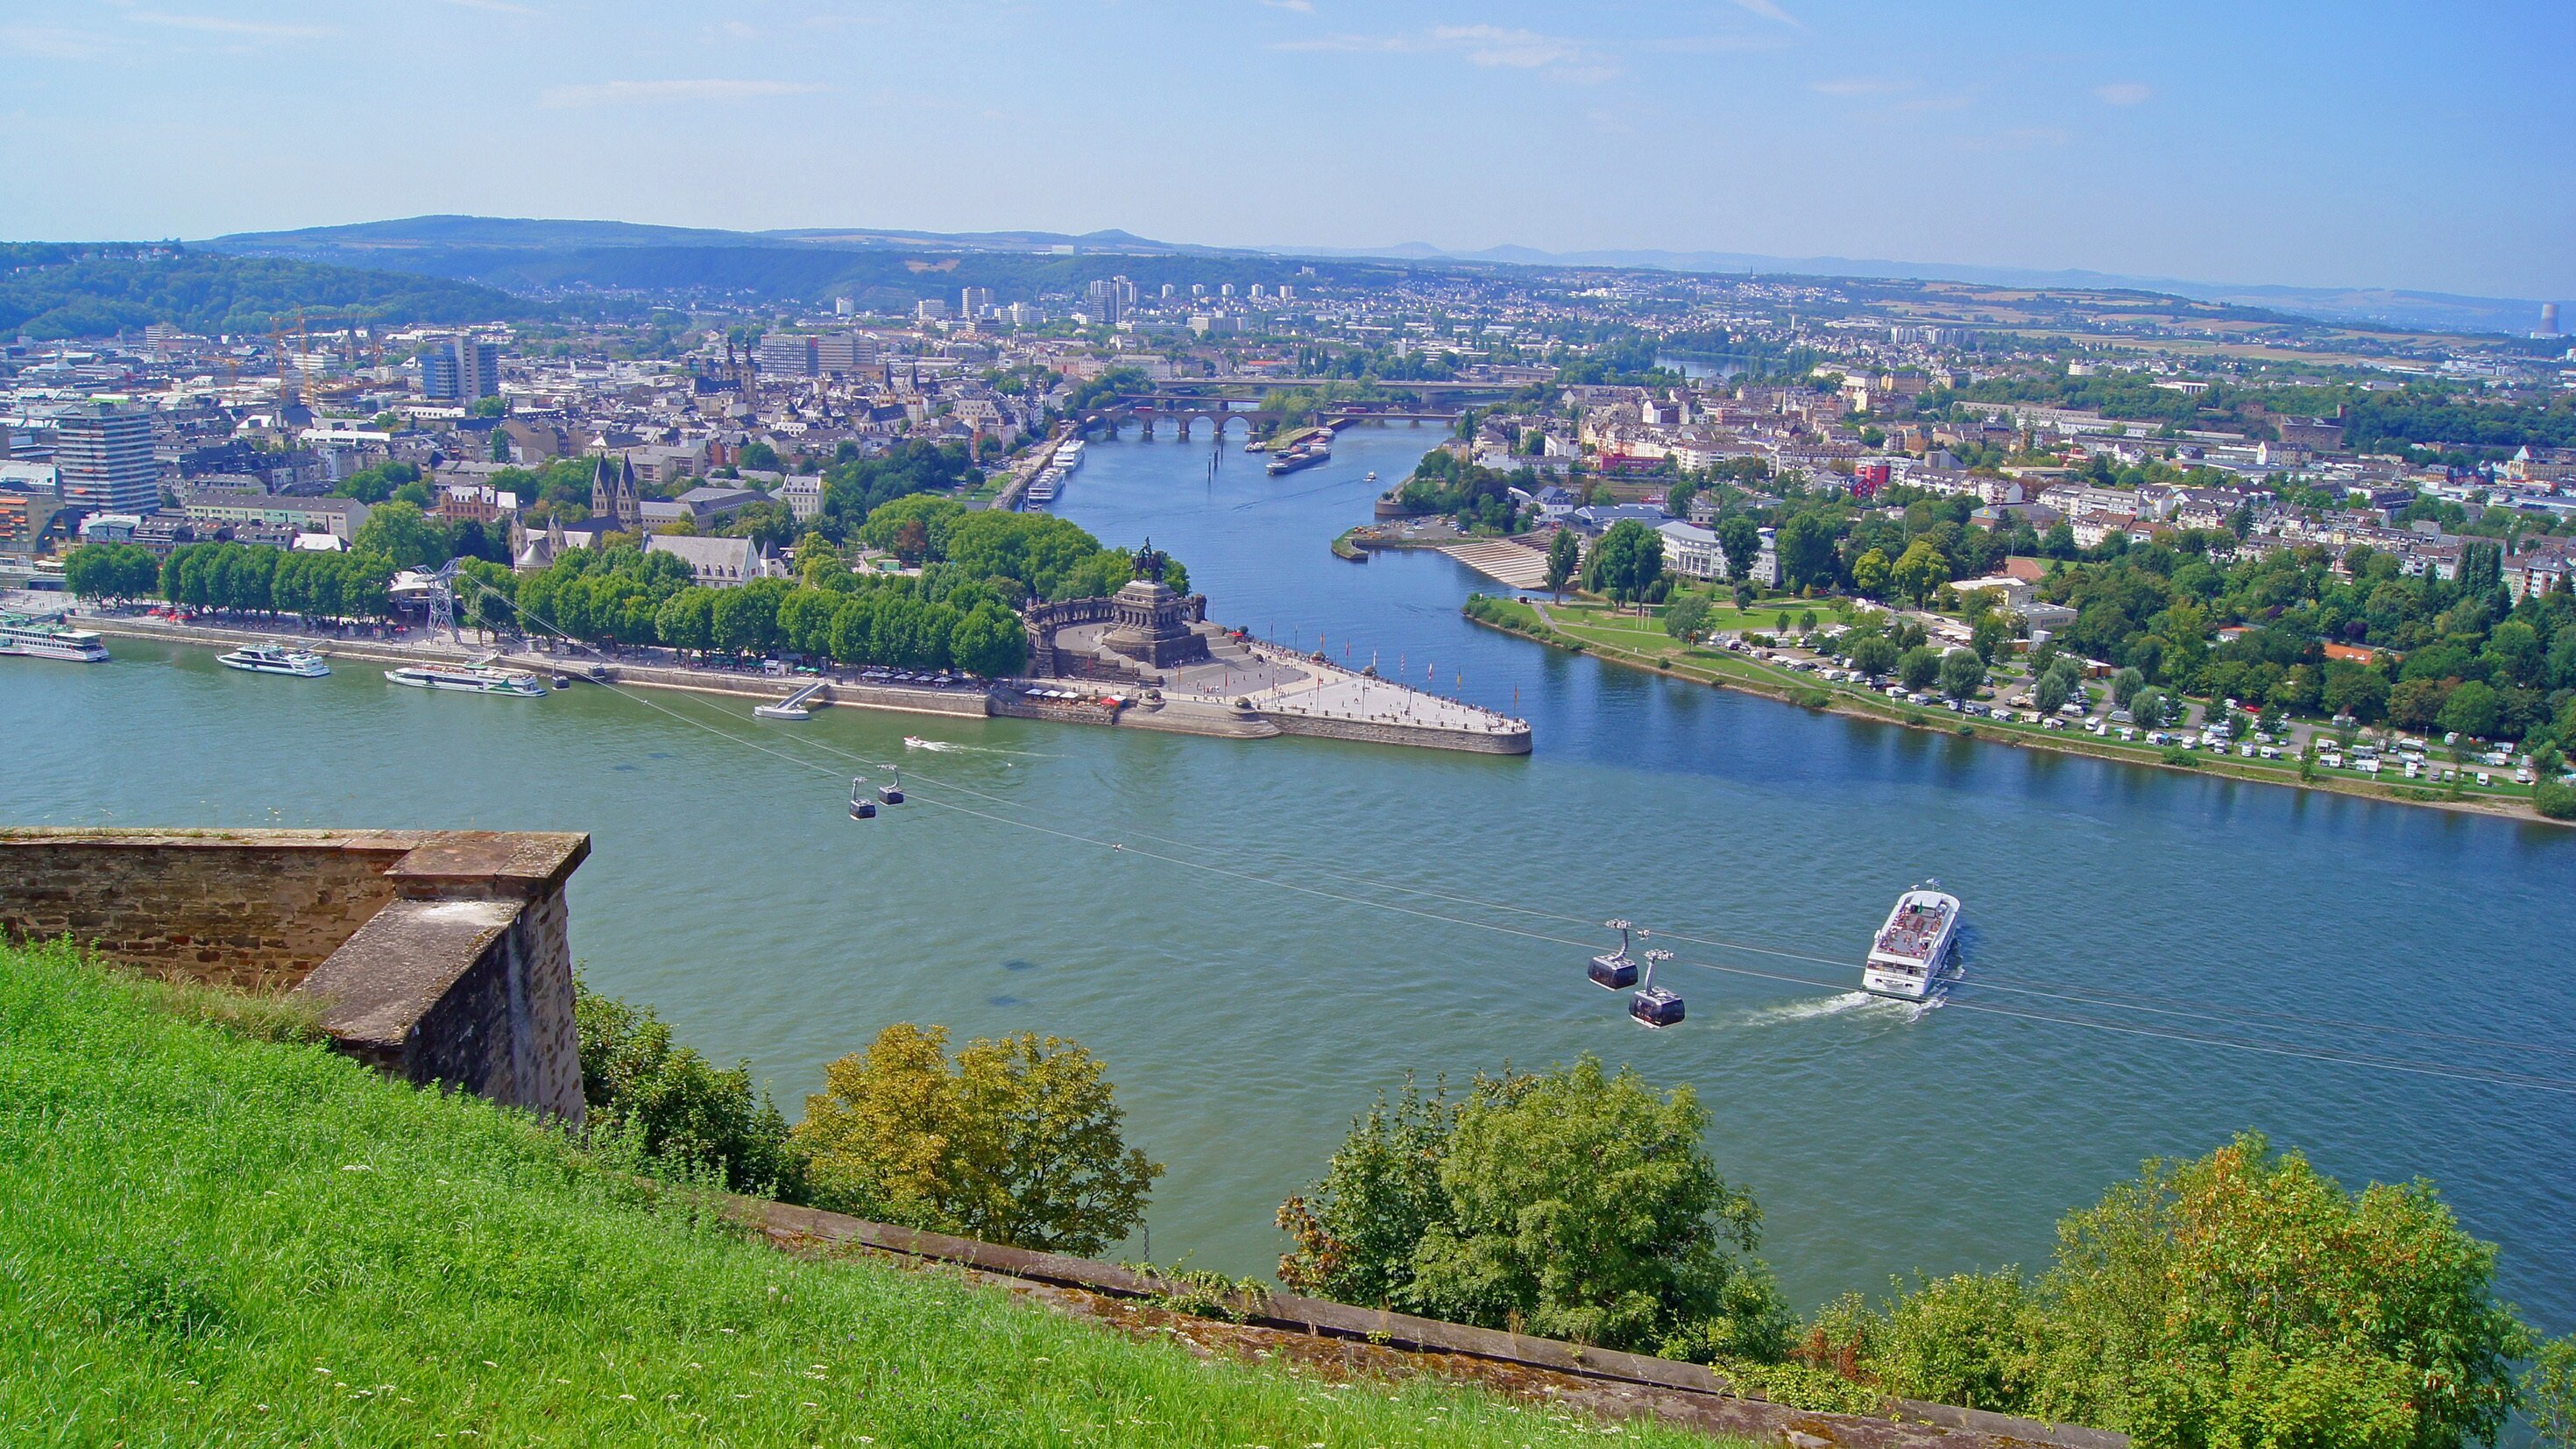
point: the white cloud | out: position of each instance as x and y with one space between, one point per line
2124 93
1484 45
1768 10
654 92
45 42
1859 85
2025 138
226 25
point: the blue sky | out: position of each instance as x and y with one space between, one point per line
2291 141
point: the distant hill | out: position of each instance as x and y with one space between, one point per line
2376 306
50 291
389 243
502 251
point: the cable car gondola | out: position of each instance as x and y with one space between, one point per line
861 807
1612 970
892 794
1656 1006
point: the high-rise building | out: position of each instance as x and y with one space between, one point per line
931 309
478 369
844 307
1024 314
787 354
1105 303
841 354
974 301
438 375
103 455
2548 319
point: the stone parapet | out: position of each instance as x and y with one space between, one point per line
1500 741
435 956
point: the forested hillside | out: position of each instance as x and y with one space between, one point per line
50 291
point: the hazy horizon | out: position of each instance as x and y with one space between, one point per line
2348 146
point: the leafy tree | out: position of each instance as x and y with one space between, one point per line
2416 704
1962 673
1573 1203
2050 693
115 572
1564 558
1917 668
1014 1142
2555 800
1686 616
1805 546
990 641
2125 686
772 524
372 486
2245 1298
2549 1393
1870 574
404 536
685 1110
1626 562
686 620
1919 571
913 528
1988 636
2473 709
2148 705
1874 655
1741 541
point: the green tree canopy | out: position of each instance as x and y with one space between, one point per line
1626 562
1573 1203
1016 1141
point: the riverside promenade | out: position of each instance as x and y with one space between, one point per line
1275 692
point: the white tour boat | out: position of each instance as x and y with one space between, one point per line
37 639
275 659
467 680
1916 947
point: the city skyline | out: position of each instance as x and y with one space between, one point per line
2363 146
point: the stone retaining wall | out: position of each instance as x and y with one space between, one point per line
434 956
1477 742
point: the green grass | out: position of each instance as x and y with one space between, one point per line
215 1231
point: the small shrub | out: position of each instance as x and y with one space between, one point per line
1810 698
2554 799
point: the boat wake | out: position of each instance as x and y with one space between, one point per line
1875 1008
1809 1010
952 747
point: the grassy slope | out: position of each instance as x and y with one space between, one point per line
212 1239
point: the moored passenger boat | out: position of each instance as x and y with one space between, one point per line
275 659
41 639
468 680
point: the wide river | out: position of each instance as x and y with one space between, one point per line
2157 960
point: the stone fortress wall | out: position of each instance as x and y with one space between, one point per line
434 956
